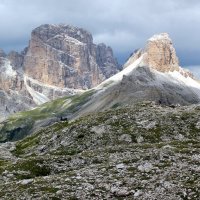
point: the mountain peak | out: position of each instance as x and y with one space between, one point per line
161 36
159 54
60 60
48 31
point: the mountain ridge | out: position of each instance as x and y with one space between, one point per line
160 55
60 60
135 83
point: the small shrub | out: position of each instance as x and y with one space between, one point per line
35 168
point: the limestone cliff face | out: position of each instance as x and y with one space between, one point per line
59 60
65 56
16 60
13 94
159 54
10 79
133 57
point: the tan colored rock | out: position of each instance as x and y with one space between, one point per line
159 54
65 56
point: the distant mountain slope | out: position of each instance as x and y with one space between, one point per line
21 124
60 60
152 74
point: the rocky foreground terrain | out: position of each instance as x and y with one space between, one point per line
145 151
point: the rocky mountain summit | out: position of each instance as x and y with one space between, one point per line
60 60
152 74
159 54
65 56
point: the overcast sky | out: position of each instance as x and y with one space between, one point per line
125 25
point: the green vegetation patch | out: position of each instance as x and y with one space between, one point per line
66 151
20 124
78 100
3 165
28 142
32 167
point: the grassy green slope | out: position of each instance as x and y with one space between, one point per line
20 124
140 123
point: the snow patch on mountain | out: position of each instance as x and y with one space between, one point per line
44 85
161 36
188 81
38 98
7 69
119 76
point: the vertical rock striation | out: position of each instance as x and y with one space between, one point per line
59 60
159 54
65 56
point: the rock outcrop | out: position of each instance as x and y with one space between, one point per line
138 82
60 60
16 60
152 74
141 150
13 94
159 54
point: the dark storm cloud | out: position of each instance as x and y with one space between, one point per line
123 24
